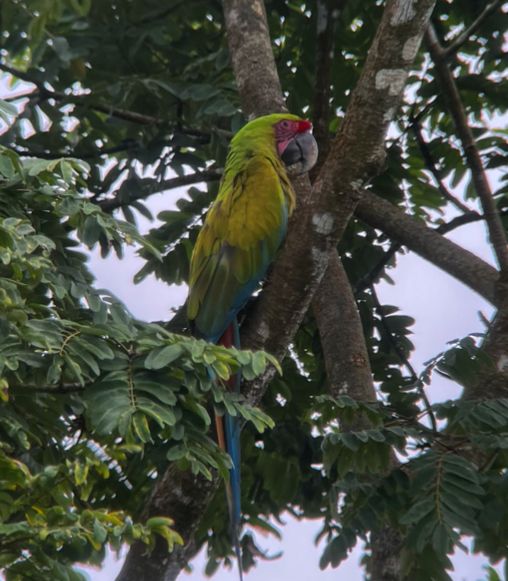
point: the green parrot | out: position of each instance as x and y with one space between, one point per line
238 241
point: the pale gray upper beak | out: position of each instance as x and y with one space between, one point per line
301 154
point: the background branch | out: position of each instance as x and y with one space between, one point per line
403 358
432 167
205 176
452 258
464 36
471 153
328 12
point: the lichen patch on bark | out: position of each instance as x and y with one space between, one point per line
391 79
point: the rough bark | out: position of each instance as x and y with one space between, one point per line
328 12
356 155
252 57
340 329
183 497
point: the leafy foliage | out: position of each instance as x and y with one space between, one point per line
111 101
89 395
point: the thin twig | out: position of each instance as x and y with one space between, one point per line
403 359
84 101
46 93
62 388
370 278
473 158
456 43
202 176
432 167
124 146
327 12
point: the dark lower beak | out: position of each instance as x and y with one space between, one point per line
300 154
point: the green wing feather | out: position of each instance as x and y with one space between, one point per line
239 239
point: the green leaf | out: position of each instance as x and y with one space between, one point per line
418 511
159 358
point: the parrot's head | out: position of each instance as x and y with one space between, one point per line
294 142
296 145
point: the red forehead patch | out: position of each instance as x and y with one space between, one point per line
304 126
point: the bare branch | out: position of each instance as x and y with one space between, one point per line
480 180
46 93
464 36
252 57
457 222
85 101
124 146
176 182
371 277
345 354
464 219
413 233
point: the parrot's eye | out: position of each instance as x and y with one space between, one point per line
285 124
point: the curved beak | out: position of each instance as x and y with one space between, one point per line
300 154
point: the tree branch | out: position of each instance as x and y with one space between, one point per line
348 373
46 93
345 355
127 145
326 20
413 233
356 154
492 379
403 359
463 37
183 497
252 57
480 180
202 176
371 277
86 102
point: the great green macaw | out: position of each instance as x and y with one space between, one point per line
239 239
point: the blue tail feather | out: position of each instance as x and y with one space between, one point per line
231 426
